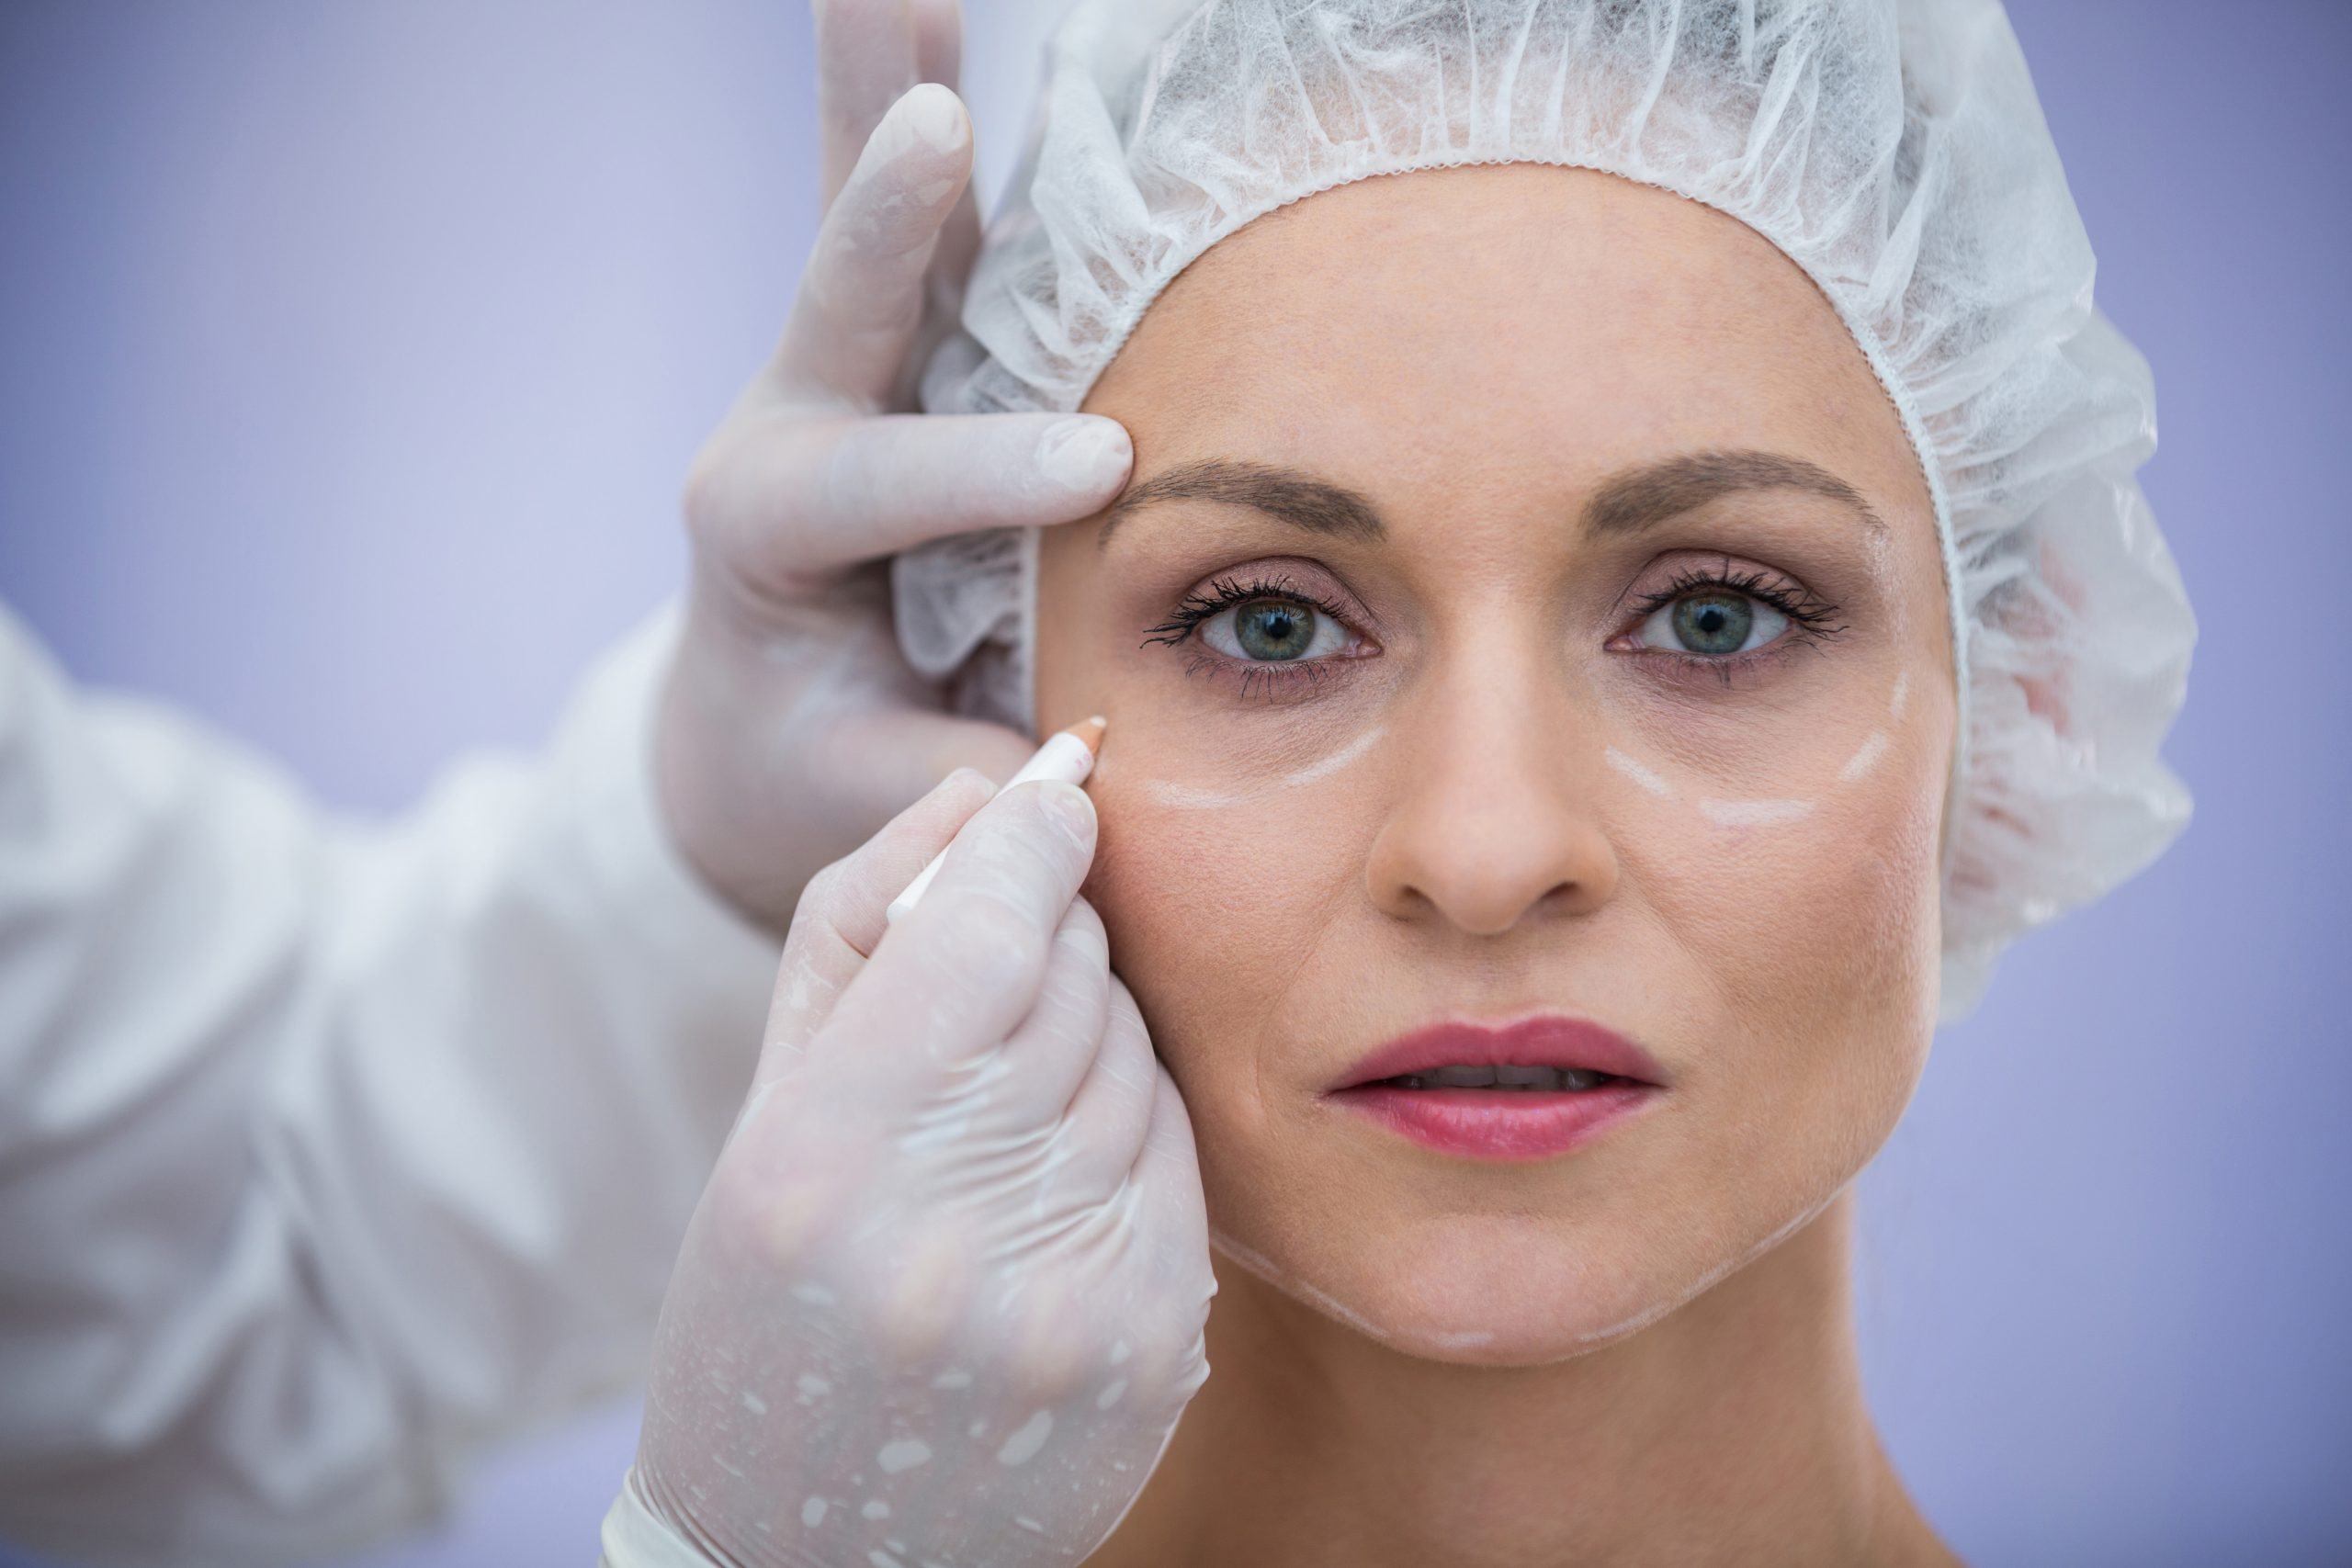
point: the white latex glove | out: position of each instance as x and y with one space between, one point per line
943 1300
790 727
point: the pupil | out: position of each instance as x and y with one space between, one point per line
1273 631
1716 625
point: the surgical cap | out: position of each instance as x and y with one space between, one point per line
1893 148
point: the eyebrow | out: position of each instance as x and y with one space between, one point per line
1284 494
1626 503
1644 497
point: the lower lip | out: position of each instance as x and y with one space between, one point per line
1503 1126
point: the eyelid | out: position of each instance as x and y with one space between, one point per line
1723 572
1264 577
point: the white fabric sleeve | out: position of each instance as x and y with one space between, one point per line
330 1152
636 1537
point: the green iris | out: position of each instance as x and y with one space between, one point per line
1272 629
1714 622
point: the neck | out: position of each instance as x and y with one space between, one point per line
1732 1429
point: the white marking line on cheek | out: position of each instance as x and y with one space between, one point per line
1755 813
1635 771
1184 797
1339 759
1894 705
1865 757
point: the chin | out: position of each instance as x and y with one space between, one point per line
1498 1290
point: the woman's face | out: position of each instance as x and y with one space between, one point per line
1527 613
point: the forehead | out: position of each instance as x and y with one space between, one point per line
1500 327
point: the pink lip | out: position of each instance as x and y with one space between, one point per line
1482 1124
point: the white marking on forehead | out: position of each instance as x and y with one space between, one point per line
1633 769
1755 813
1339 759
1865 757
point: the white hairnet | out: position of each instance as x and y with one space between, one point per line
1893 148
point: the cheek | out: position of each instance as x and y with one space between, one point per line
1818 944
1214 914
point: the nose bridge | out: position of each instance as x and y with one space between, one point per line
1491 825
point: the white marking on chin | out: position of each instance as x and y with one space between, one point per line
1755 813
1462 1339
1263 1266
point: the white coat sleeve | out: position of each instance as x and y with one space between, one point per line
330 1152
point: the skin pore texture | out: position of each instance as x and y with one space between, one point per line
1492 446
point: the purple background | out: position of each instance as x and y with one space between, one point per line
351 356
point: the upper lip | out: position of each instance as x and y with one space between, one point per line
1546 1042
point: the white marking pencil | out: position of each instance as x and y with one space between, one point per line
1067 755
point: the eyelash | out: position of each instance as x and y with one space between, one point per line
1268 680
1812 621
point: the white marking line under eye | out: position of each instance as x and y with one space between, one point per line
1635 771
1186 797
1755 813
1865 757
1873 745
1339 759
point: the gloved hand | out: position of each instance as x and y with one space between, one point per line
943 1300
790 727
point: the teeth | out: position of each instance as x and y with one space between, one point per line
1507 1077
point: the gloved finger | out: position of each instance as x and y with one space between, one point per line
898 754
787 502
868 54
962 968
860 296
939 57
942 307
1168 1163
1163 1196
1110 1114
840 920
1055 1047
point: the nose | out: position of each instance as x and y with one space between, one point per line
1493 827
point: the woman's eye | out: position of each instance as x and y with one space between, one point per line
1273 631
1713 624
